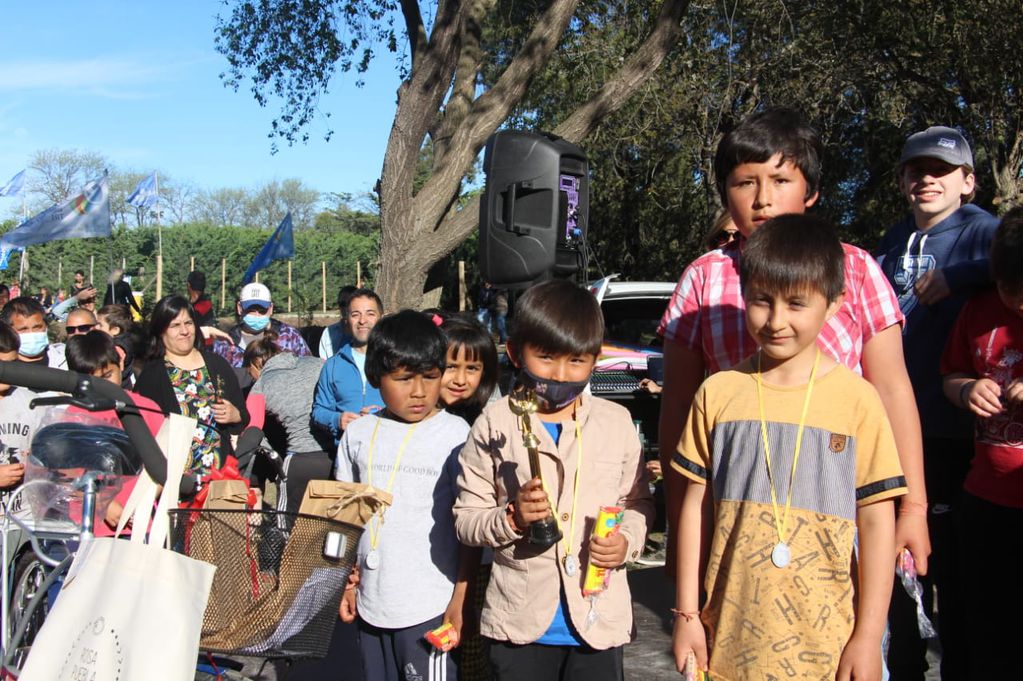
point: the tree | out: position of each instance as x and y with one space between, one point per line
223 207
291 49
60 173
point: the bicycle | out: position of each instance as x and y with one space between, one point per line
266 536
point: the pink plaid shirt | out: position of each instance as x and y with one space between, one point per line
706 311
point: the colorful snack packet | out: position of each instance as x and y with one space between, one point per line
443 638
608 520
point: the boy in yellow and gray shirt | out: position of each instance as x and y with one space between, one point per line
798 457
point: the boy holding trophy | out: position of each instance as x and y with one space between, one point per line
537 469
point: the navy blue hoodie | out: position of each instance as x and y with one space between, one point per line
958 245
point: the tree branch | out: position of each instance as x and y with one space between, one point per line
414 27
630 77
490 110
464 89
648 57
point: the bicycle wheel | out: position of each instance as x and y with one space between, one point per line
29 574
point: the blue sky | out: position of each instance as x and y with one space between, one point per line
139 83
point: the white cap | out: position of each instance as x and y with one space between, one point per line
255 294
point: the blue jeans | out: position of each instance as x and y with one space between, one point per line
483 316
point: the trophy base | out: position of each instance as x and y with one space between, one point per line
544 533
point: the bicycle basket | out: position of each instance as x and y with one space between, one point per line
279 580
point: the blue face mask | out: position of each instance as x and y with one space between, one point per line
256 322
33 343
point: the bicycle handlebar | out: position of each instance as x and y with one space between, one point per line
41 378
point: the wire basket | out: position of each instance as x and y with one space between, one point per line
279 580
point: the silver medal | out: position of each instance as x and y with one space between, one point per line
372 560
781 556
571 566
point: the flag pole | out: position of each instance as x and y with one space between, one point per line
289 287
159 238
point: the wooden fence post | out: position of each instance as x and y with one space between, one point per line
461 286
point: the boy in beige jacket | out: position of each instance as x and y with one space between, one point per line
539 623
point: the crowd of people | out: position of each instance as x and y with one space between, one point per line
827 416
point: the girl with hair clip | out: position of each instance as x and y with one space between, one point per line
471 372
469 381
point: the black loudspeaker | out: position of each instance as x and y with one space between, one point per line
534 210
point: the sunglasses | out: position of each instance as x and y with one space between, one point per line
81 328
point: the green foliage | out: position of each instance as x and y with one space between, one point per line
291 51
866 74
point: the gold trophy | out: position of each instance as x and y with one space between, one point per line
523 403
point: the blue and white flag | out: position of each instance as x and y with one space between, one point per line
146 194
5 254
280 246
84 215
14 187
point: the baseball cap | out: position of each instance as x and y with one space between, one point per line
938 142
255 294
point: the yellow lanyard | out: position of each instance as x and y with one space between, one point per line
781 524
374 530
567 545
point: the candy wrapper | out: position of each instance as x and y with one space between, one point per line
906 571
608 520
443 638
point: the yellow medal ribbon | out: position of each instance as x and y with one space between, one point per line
374 530
781 554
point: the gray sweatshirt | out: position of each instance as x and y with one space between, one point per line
288 384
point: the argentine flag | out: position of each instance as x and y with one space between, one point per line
146 194
14 187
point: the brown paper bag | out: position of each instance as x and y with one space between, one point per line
348 502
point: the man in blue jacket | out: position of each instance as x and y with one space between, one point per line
343 394
936 258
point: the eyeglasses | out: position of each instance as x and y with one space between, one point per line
81 328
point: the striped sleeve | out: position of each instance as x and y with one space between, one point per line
878 472
693 456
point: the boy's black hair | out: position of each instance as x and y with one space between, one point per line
793 253
117 315
5 289
764 134
404 340
465 332
26 306
90 352
9 339
197 281
1007 252
559 317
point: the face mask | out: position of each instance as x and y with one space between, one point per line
33 343
255 322
550 393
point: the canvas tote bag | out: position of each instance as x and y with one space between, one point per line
129 610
